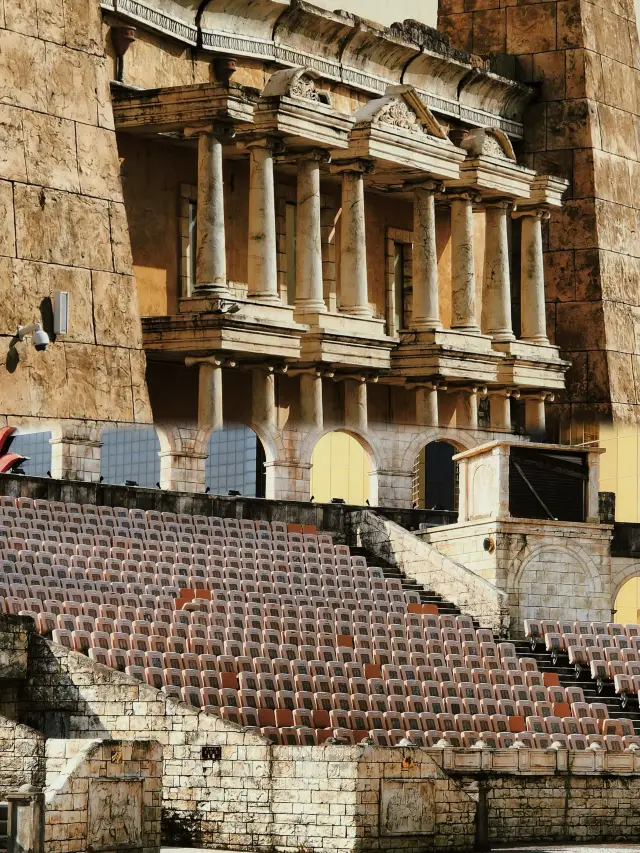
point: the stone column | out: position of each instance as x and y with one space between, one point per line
355 405
496 302
463 275
211 258
263 399
534 319
467 408
262 259
311 408
427 406
309 280
500 409
426 301
354 289
535 415
210 396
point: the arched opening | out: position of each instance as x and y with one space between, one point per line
627 603
130 454
435 477
235 462
36 447
340 468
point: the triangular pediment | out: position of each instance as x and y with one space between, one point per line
402 108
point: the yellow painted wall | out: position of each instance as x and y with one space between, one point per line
340 469
619 468
627 604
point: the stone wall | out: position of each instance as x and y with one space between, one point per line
102 794
419 559
583 55
63 227
225 800
547 569
22 756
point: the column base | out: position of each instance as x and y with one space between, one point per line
310 306
211 290
357 311
267 298
503 337
426 325
468 330
536 339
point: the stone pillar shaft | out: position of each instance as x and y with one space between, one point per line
210 397
263 400
496 303
311 408
426 301
535 417
467 409
463 275
500 409
355 405
427 407
534 319
309 280
262 259
354 288
211 259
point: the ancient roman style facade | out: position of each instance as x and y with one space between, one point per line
391 146
333 225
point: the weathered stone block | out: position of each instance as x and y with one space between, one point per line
53 226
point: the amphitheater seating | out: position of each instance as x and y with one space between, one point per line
278 629
610 651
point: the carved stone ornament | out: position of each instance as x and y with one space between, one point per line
399 114
488 142
295 83
304 87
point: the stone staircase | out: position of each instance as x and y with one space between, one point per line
426 596
567 675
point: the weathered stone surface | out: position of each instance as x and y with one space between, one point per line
7 230
12 157
67 72
115 303
120 242
50 151
83 25
62 228
98 162
22 60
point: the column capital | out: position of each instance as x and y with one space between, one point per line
509 205
427 185
269 143
504 392
356 166
313 155
463 195
541 213
221 132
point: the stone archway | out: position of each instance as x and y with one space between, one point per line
556 581
342 466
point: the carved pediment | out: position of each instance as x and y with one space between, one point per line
488 142
295 83
400 107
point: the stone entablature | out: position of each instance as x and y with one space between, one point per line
346 49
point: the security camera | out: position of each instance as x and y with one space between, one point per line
40 340
39 337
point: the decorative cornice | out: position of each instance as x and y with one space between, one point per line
412 39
